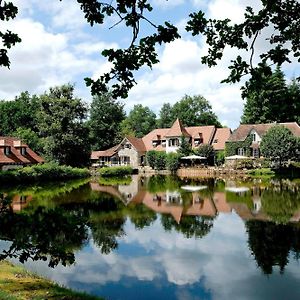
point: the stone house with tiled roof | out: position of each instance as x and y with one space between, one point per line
14 153
245 140
132 151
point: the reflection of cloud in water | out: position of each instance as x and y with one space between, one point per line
220 261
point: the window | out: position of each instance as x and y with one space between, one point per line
173 143
128 146
23 151
241 151
253 137
163 143
256 152
7 150
215 141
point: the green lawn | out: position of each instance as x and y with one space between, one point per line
18 284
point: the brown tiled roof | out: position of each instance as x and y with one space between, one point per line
109 152
241 133
137 143
152 136
206 132
221 136
15 156
177 129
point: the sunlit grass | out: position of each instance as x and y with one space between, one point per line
18 284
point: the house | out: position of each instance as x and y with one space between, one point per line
245 140
132 151
14 153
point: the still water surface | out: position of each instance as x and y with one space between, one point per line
159 237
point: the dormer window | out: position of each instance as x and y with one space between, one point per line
253 137
163 143
154 143
7 151
127 145
215 141
23 151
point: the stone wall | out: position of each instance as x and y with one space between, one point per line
133 154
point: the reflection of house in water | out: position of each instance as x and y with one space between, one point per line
125 192
246 202
16 202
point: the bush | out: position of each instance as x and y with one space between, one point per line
156 159
220 158
115 171
42 172
245 164
173 161
261 172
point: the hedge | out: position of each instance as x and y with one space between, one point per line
115 171
42 172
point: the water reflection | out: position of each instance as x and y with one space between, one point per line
168 231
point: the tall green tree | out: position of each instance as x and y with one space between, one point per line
185 147
29 137
106 115
267 98
294 100
61 124
166 117
140 121
194 111
279 144
18 113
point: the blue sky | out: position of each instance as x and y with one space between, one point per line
60 47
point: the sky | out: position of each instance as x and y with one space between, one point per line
58 47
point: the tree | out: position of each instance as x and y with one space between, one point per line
141 120
278 144
30 138
194 111
166 117
8 11
268 99
106 115
185 147
294 100
207 151
18 113
61 123
219 34
173 161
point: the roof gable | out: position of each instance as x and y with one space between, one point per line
244 130
177 129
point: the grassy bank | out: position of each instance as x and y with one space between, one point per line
115 171
18 284
43 172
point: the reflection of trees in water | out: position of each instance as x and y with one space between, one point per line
105 232
141 216
271 244
189 226
280 204
52 234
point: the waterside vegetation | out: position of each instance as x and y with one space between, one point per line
42 172
18 284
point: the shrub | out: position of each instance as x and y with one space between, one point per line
173 161
220 158
42 172
115 171
244 164
156 159
151 158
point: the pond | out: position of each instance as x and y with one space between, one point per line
158 237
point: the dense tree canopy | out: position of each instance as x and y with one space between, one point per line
283 15
106 115
18 113
270 99
194 111
278 144
60 122
140 121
